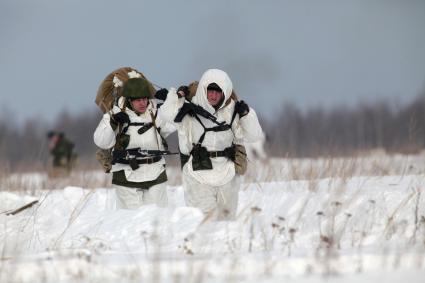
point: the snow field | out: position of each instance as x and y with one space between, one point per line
350 228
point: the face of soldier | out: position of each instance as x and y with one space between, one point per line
140 105
214 97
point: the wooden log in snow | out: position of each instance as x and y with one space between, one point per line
22 208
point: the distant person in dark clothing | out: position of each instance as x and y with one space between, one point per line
62 151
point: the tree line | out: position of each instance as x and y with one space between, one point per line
346 131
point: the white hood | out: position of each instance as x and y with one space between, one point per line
212 76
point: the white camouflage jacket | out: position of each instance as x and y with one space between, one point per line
105 138
246 129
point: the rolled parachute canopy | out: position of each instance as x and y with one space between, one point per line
112 86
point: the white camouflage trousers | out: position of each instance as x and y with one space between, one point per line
216 202
132 198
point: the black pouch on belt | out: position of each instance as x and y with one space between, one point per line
200 158
133 164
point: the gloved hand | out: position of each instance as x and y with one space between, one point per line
241 108
161 94
183 89
119 118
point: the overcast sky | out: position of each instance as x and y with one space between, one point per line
55 53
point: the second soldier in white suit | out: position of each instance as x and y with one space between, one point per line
207 141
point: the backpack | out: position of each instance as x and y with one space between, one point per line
104 157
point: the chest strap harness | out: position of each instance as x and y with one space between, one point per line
136 156
200 154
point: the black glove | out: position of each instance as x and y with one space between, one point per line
241 108
184 89
119 118
161 94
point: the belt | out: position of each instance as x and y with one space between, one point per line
214 154
148 160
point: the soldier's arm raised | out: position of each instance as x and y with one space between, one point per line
171 106
250 127
104 135
166 127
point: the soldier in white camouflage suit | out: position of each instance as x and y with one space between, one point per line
136 135
207 142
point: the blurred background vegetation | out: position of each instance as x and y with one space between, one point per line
339 131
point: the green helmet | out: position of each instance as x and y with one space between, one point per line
136 88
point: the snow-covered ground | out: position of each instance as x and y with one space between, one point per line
339 220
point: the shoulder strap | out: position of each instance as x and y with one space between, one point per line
125 129
219 128
195 110
234 113
153 117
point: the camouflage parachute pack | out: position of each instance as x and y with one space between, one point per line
112 85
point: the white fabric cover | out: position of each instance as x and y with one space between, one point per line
216 202
131 198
